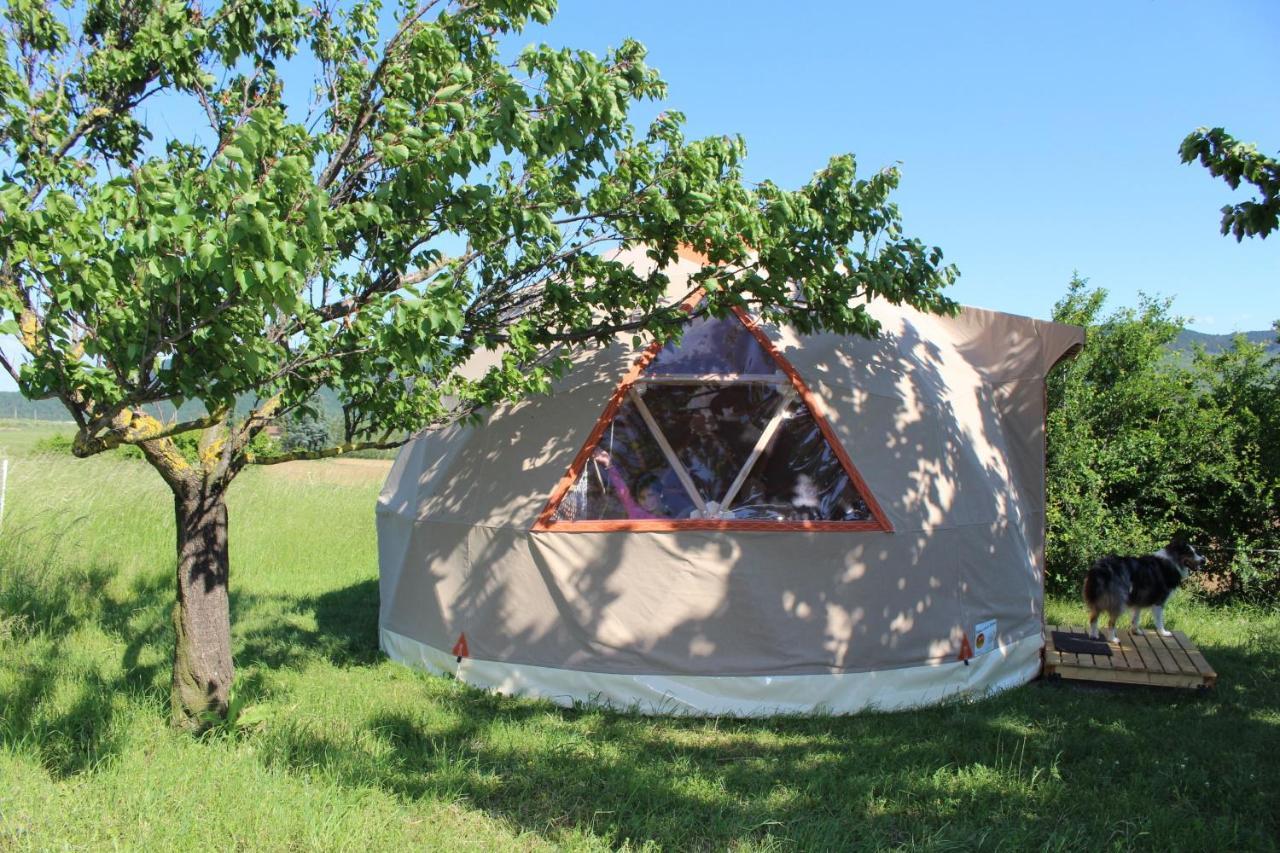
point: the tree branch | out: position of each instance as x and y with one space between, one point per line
9 368
327 453
387 284
136 427
365 111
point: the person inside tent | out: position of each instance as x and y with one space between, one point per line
706 454
647 502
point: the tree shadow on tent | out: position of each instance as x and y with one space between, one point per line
864 600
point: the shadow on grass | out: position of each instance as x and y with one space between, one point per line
62 703
1040 764
345 632
1037 763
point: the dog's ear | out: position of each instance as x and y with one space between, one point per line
1183 554
1187 557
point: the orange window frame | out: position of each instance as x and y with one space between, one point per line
878 523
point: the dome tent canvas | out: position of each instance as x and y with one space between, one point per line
841 523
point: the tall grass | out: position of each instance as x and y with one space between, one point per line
344 750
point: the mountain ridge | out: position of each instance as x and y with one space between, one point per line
14 405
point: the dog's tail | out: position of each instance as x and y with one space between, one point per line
1104 588
1092 583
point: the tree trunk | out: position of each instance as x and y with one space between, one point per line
202 667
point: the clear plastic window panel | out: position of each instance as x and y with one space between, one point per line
715 346
712 430
799 478
626 477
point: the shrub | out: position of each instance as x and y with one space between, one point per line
55 443
1142 446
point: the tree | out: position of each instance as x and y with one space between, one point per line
1121 433
303 431
1143 444
1234 161
429 201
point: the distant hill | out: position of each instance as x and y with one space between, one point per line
14 405
1188 338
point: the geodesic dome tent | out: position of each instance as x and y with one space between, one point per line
749 522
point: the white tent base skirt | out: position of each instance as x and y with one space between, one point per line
740 696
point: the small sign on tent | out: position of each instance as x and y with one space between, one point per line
984 637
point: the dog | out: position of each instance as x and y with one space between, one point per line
1113 583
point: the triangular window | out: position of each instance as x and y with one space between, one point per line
717 432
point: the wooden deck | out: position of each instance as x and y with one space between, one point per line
1146 658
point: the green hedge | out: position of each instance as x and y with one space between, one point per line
1144 445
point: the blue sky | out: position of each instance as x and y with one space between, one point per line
1034 139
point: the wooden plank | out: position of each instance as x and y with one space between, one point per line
1078 673
1119 660
672 459
1144 659
1133 676
1054 656
1167 663
1052 659
1130 655
1164 679
1130 676
1179 655
715 379
1097 661
1197 659
1113 676
1115 660
779 415
1148 654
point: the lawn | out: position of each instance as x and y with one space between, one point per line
343 749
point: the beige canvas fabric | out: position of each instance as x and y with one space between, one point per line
944 420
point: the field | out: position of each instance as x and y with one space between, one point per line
341 749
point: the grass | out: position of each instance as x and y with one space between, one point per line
19 438
342 749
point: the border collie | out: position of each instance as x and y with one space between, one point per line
1113 583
